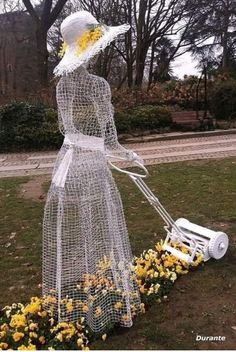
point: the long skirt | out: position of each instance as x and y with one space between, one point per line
87 259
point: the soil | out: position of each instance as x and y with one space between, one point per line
34 189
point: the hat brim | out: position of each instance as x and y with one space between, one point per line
71 61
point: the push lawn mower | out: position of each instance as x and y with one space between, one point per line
195 238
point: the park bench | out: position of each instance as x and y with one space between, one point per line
190 119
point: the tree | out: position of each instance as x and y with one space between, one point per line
160 65
214 33
151 22
43 20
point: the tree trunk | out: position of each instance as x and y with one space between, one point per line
130 73
42 56
129 46
140 65
151 65
141 51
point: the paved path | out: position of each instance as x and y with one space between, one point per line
156 152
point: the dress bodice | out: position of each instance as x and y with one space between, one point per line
84 103
85 109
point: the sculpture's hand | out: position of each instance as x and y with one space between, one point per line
132 156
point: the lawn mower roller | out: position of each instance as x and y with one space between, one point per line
196 239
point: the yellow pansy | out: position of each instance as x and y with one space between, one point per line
22 348
3 345
142 308
33 307
69 306
33 326
125 317
118 306
17 336
49 299
85 308
43 314
33 335
159 246
42 340
59 336
142 289
104 264
79 342
4 327
98 311
29 347
2 334
18 320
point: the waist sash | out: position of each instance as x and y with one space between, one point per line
75 140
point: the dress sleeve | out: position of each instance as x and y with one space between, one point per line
65 95
106 117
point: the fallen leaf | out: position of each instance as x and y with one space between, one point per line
27 264
104 336
12 235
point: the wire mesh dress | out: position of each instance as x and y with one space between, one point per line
86 251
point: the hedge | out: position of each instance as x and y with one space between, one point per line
27 127
141 118
34 127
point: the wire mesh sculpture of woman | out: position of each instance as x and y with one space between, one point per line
86 251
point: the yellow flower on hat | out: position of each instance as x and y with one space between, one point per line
87 38
63 49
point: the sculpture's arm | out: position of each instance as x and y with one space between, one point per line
106 115
65 95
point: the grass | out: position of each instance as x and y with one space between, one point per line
202 302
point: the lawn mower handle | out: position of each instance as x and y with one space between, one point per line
130 173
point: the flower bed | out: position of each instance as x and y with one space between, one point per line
32 326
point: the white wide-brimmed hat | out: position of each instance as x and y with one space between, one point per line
80 27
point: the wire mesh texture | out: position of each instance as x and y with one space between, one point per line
87 258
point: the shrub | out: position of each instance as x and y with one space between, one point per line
223 100
141 118
180 93
29 127
24 126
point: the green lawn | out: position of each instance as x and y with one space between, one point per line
202 302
